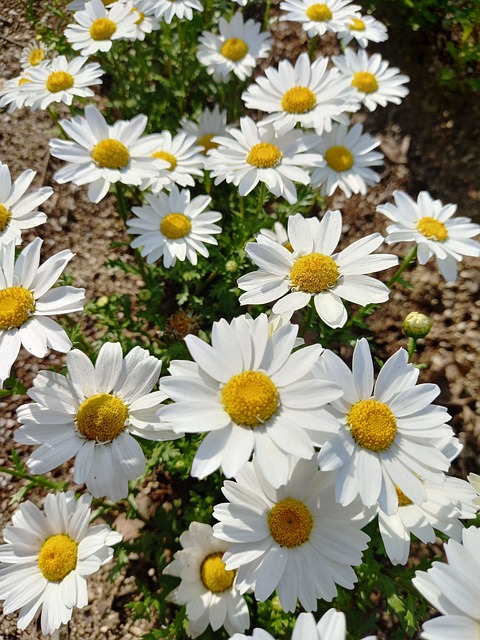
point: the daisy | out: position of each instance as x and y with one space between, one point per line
317 18
376 83
92 415
17 210
349 155
362 29
102 154
261 398
454 590
474 480
310 268
174 227
258 153
293 538
11 94
79 5
307 94
211 123
206 587
27 300
387 432
278 234
429 224
145 23
166 10
47 556
33 54
97 26
59 80
236 49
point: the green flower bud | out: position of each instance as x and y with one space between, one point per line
102 302
231 265
416 325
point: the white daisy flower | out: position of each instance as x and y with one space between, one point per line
47 556
376 83
97 26
349 155
278 234
27 300
211 123
256 153
33 54
308 94
310 268
17 210
317 18
236 49
363 29
166 10
207 588
145 23
261 398
429 223
102 154
11 94
294 538
79 5
387 432
174 227
60 80
474 480
92 415
453 589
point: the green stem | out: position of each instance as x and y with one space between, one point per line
412 347
266 19
312 47
40 481
411 255
261 199
307 320
53 114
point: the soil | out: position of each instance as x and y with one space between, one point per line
430 142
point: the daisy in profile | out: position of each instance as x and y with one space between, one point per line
11 95
310 268
145 22
18 209
474 480
387 432
375 82
317 18
261 398
278 234
293 538
206 588
33 54
429 223
453 590
349 155
308 94
60 80
47 556
211 123
256 153
174 227
27 301
236 49
101 154
166 10
362 29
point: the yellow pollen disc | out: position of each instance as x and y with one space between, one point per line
288 246
314 273
5 217
339 158
175 225
59 81
403 501
319 13
23 81
290 523
234 49
357 25
36 56
141 16
168 157
213 574
102 417
432 229
298 100
107 2
264 155
372 425
102 29
250 398
58 557
365 81
206 142
16 306
111 154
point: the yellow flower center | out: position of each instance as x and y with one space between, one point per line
288 245
23 81
290 523
403 501
432 229
357 25
372 425
141 16
111 154
58 557
5 217
298 100
234 49
175 225
59 81
213 574
102 417
314 273
319 13
102 29
339 158
205 141
264 155
250 398
16 306
168 157
365 81
35 57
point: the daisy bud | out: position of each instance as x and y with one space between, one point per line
416 325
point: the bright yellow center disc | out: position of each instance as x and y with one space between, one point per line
339 158
314 273
234 49
175 225
59 81
250 398
365 81
213 574
290 523
5 217
102 417
111 154
16 306
319 13
58 557
298 100
372 425
432 229
102 29
264 155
